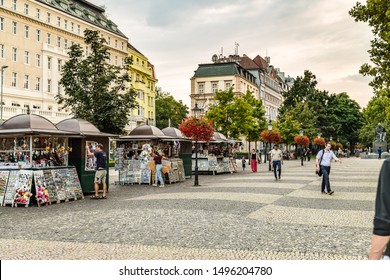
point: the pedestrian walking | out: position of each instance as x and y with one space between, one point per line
101 172
243 163
276 160
158 162
308 154
254 159
325 156
379 152
381 232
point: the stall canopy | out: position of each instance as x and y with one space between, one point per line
81 127
30 124
219 138
175 134
146 132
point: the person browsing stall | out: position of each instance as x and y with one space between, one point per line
101 172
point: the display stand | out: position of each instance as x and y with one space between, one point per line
3 185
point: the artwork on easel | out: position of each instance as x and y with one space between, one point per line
75 183
41 192
3 185
146 176
50 186
171 176
11 187
23 190
213 164
60 185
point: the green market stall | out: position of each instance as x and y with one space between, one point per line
181 147
134 161
85 133
34 163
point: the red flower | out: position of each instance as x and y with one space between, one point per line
320 141
271 136
198 129
302 140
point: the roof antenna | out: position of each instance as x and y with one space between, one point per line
236 48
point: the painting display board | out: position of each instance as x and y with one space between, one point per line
3 185
60 185
50 186
41 192
215 165
18 188
74 183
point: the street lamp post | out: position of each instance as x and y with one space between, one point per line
2 78
269 160
197 111
301 134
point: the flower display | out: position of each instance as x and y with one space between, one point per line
302 140
320 141
42 195
271 136
198 129
22 196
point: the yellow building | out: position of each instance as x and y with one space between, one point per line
143 81
35 36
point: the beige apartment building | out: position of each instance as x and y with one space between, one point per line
212 77
34 40
143 81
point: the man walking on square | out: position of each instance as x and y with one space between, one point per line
276 160
326 156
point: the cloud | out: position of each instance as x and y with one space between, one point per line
316 35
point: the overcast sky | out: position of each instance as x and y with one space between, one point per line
315 35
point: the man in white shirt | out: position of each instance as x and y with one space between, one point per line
276 160
325 156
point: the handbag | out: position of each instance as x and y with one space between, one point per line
319 172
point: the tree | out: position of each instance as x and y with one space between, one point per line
235 116
288 128
94 89
345 116
168 109
376 13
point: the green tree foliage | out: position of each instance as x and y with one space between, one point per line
235 115
346 117
94 89
167 108
317 111
288 128
376 14
377 111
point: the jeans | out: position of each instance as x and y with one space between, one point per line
158 176
277 163
325 178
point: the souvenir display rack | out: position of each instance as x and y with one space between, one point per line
50 186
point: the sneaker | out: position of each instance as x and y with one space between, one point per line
279 177
324 193
331 192
162 186
154 185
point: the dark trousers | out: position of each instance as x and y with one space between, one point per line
277 163
325 178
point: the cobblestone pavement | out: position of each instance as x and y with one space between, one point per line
243 215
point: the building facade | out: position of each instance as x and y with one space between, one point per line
143 81
35 37
210 78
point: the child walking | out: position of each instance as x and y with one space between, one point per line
243 163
